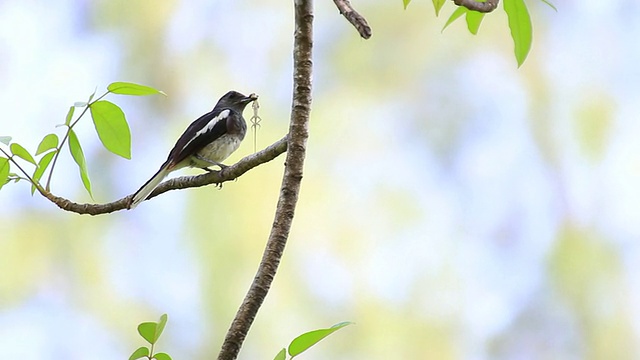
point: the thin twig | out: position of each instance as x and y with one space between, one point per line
215 177
290 188
10 158
66 135
358 21
483 7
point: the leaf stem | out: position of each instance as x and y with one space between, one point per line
10 158
66 136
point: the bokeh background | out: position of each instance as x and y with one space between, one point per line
453 205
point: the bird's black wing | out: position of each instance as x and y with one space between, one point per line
200 133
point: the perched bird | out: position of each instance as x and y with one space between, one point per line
207 141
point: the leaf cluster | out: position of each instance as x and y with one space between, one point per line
517 14
110 124
151 331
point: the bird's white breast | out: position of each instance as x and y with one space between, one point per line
220 149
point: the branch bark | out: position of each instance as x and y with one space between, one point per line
358 21
483 7
290 188
216 177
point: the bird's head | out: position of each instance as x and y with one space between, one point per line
236 100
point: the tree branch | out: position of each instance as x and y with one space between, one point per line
358 21
216 177
483 7
290 188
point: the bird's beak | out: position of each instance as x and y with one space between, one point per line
251 97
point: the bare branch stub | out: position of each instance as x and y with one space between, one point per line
483 7
358 21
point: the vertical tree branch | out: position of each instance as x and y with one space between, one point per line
290 188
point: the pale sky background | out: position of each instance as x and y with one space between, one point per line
453 205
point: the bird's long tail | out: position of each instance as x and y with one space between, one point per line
148 187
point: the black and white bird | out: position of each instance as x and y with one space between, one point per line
207 141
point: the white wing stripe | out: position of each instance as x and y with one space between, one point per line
223 115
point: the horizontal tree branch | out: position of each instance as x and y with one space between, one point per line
358 21
184 182
483 7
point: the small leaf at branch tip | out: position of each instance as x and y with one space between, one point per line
67 120
437 5
461 10
148 331
474 19
48 142
282 355
127 88
308 339
92 95
140 353
406 3
21 152
160 326
342 324
550 5
162 356
5 140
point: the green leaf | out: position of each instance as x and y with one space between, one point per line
160 327
520 25
139 353
307 340
4 171
91 97
162 356
437 5
282 355
550 4
406 3
127 88
18 150
461 10
43 164
148 331
474 18
5 139
78 156
48 142
112 127
67 121
151 331
14 177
